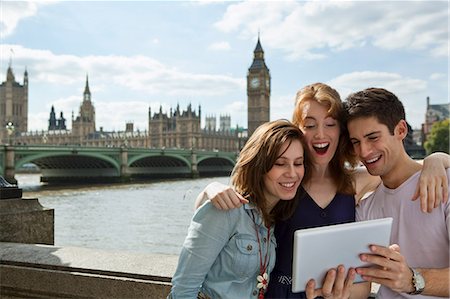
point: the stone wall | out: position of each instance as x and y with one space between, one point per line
26 221
43 271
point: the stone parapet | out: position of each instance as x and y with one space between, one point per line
42 271
26 221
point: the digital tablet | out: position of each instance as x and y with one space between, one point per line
316 250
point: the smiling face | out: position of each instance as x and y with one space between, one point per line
285 176
321 132
376 147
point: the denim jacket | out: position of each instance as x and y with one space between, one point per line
220 255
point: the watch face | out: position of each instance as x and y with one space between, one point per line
418 282
254 82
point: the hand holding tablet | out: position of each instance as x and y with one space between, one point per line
316 250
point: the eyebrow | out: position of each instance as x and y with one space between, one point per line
313 118
285 158
372 133
366 135
310 117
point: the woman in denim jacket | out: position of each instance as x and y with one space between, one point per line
230 254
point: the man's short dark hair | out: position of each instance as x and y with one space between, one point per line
375 102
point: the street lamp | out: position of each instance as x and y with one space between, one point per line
10 130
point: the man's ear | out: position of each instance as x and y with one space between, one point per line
401 129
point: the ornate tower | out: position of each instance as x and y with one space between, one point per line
258 91
13 104
52 120
84 124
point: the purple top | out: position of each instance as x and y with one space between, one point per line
307 214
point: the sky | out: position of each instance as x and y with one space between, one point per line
141 55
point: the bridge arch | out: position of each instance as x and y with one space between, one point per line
214 166
160 166
42 156
133 160
67 166
225 158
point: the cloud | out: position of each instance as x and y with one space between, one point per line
220 46
138 73
307 29
114 115
12 12
412 92
437 76
396 83
282 107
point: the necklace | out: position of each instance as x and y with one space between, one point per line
262 278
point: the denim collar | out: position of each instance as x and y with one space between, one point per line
252 209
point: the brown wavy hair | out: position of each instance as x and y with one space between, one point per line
257 158
344 158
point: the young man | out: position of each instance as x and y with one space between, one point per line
418 263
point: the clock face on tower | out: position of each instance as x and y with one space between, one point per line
254 82
267 83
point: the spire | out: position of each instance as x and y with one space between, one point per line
86 89
25 77
52 119
258 57
87 92
10 57
258 48
10 75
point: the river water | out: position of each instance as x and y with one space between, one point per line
143 217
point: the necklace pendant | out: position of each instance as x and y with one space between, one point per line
263 281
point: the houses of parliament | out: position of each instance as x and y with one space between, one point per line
179 128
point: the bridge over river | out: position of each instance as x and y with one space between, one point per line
71 163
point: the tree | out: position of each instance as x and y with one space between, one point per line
438 139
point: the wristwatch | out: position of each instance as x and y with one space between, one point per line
418 282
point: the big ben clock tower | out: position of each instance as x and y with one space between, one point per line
258 91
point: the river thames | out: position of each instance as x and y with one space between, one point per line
151 217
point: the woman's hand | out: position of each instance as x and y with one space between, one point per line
336 284
433 182
223 197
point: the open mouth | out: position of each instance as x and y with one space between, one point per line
287 185
321 148
373 160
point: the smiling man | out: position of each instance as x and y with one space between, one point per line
419 262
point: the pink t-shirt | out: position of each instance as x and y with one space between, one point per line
423 237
